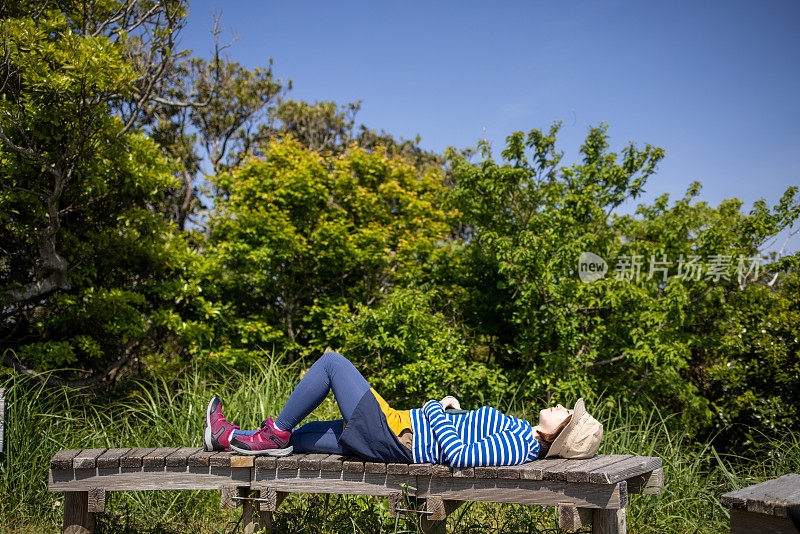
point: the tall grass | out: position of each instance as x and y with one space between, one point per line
41 421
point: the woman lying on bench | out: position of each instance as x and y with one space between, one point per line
373 430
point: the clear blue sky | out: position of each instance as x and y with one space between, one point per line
717 84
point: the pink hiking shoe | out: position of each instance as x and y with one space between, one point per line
217 432
268 440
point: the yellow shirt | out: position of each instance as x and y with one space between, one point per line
398 420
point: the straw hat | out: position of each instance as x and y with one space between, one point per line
580 438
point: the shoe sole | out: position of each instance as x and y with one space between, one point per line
207 444
268 452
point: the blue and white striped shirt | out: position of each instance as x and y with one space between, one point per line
478 437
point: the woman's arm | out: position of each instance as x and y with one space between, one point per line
507 447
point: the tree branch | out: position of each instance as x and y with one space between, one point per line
106 375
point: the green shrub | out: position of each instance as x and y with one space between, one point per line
409 352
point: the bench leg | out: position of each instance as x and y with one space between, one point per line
435 522
609 521
77 517
573 519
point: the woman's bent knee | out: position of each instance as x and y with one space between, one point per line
332 359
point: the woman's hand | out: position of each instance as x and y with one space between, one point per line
450 402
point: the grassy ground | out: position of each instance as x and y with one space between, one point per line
40 421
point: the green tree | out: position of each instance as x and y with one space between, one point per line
82 251
212 111
300 235
514 272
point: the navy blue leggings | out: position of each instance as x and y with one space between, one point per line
331 371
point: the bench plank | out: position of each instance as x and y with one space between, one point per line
559 471
378 468
311 462
352 465
397 469
535 470
288 463
651 483
331 463
133 458
157 457
243 460
266 463
582 475
221 459
180 457
624 469
440 470
487 471
420 469
146 479
63 459
771 497
87 458
202 458
524 491
463 472
110 458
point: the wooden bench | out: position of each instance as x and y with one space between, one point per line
594 490
767 507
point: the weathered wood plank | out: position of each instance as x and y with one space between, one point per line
559 471
253 518
63 459
97 498
525 491
110 458
226 497
535 470
435 521
377 468
352 465
266 462
571 518
133 458
609 521
146 479
332 463
464 472
271 499
157 457
311 462
242 460
420 469
486 472
580 472
439 470
624 469
87 458
397 469
451 488
202 458
221 459
651 483
509 472
394 501
288 463
180 458
771 497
